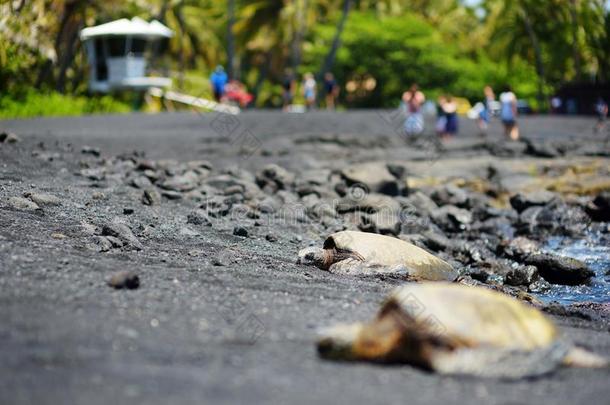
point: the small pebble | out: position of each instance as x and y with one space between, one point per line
89 150
128 211
240 231
8 137
124 279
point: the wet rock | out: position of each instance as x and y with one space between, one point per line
536 220
555 308
560 270
479 274
8 137
198 217
372 177
90 150
521 275
273 178
240 231
23 204
520 247
43 199
522 201
599 208
124 280
123 233
151 196
539 286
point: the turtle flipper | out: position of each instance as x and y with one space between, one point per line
357 267
582 358
504 364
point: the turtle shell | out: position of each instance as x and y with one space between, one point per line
384 251
473 317
453 329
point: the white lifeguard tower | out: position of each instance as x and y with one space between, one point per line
119 53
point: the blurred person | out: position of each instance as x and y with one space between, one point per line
219 80
449 107
486 112
601 109
556 104
288 87
508 113
331 90
309 90
236 92
441 118
412 101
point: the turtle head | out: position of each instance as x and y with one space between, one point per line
337 343
312 256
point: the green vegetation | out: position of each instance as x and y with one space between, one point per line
34 104
377 47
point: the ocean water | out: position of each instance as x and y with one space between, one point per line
595 252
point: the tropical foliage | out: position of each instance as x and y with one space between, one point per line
375 48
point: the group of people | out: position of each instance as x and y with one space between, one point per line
225 90
309 88
447 119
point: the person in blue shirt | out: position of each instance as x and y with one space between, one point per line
219 80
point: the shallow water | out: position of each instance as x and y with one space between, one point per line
594 251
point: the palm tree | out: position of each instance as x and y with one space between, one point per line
332 53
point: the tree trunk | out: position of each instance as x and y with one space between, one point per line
538 58
230 39
575 50
301 11
66 39
332 53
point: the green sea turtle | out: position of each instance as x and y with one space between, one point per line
451 328
360 253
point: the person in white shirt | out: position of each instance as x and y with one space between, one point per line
309 90
508 113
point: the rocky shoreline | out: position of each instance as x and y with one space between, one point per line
486 206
